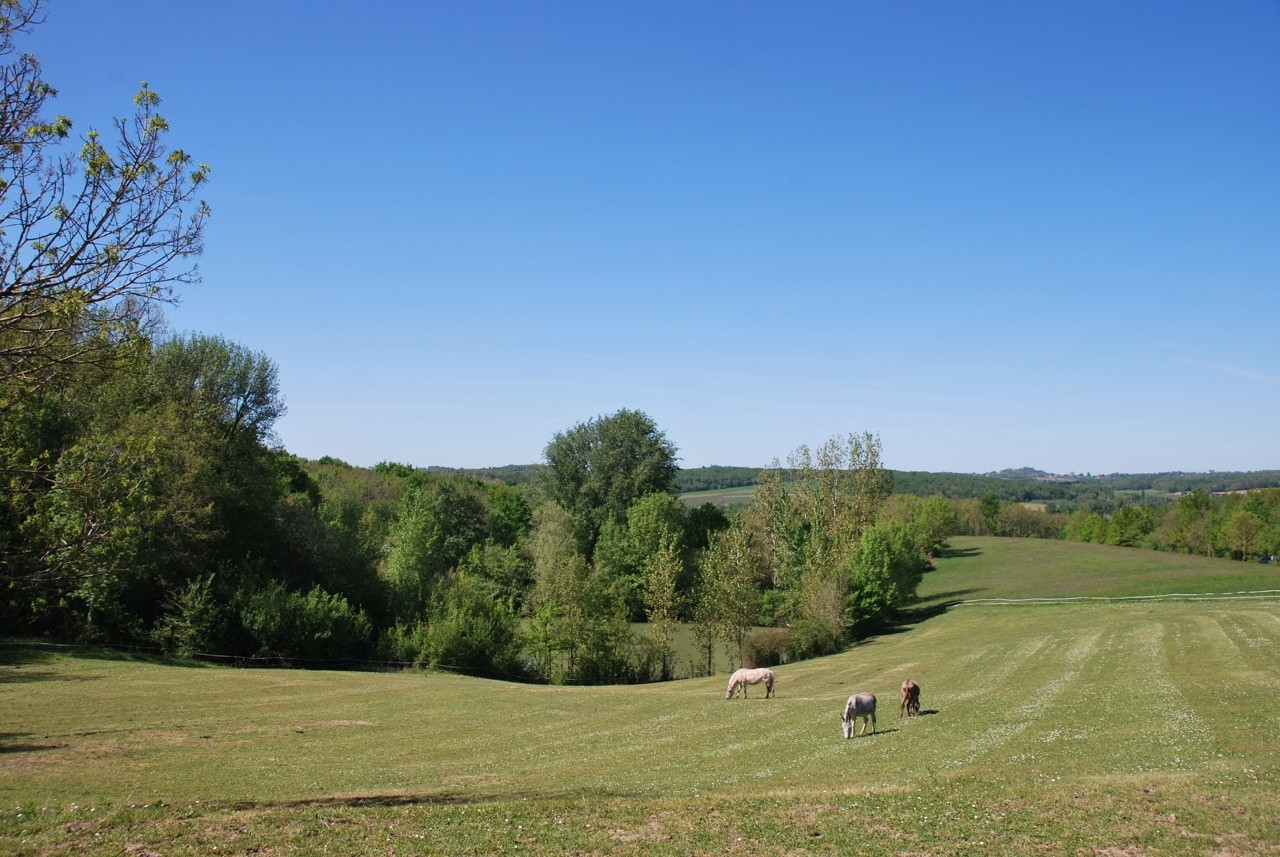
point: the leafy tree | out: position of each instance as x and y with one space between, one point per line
770 516
1130 525
98 530
662 600
702 522
436 528
1016 520
508 516
1193 525
508 569
626 547
221 382
310 626
811 520
989 507
91 242
474 630
1243 531
191 619
727 599
929 520
884 573
597 469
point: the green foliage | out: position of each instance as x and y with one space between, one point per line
311 626
662 601
220 382
726 601
1130 525
627 547
597 469
474 631
766 647
579 629
814 638
884 573
508 569
438 525
701 523
508 516
192 619
989 508
95 241
929 520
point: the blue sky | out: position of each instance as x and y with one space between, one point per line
995 234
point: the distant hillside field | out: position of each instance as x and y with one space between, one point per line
1125 728
978 567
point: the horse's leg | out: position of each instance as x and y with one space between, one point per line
873 723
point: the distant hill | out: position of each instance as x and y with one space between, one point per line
1014 485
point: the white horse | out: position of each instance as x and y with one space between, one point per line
860 706
744 677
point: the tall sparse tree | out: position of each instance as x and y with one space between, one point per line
92 242
661 598
812 516
727 600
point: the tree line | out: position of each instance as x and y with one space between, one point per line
1240 525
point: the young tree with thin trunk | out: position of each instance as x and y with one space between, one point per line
661 598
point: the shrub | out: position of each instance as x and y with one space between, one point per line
766 647
191 619
476 632
405 642
314 626
813 638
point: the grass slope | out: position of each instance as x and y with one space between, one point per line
987 567
1116 728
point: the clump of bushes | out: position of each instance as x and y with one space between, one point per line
813 638
766 647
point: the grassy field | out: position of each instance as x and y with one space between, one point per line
984 567
725 498
1129 728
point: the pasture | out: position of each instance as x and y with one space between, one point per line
1130 728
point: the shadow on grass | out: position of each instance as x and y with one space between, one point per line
910 617
23 654
22 663
873 734
944 599
959 553
6 747
436 799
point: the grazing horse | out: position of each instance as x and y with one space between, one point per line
744 677
910 699
860 705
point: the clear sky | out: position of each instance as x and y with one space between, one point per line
998 234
